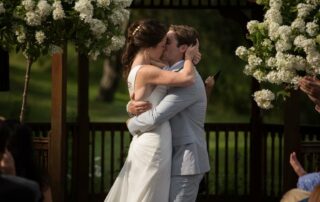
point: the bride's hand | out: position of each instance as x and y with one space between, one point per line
192 51
196 59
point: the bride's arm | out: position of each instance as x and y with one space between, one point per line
150 74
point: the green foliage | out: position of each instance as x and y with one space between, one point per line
230 100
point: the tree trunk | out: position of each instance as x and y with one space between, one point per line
4 71
25 90
110 79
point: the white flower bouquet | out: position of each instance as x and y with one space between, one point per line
39 26
285 46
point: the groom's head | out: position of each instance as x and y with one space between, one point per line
179 37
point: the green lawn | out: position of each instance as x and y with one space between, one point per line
39 99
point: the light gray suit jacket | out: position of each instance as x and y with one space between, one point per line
186 109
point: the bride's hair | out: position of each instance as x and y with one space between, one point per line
142 34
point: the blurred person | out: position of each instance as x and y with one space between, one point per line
306 181
315 195
18 158
13 188
295 195
185 108
145 176
311 86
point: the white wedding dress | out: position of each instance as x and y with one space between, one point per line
145 176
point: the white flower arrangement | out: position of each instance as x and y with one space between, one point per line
285 46
35 26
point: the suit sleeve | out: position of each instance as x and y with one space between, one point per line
174 102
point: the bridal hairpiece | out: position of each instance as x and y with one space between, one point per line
136 30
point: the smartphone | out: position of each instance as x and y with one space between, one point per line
216 75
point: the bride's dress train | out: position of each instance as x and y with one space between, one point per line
145 175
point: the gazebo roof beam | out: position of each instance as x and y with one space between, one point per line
192 4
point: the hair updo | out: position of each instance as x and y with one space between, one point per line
140 35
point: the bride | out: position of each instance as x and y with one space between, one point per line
145 176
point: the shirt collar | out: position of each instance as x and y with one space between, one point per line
177 65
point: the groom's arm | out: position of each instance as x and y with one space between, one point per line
174 102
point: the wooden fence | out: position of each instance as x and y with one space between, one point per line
229 153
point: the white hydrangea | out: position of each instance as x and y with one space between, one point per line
249 70
273 77
252 26
264 98
21 35
313 58
313 2
282 45
253 60
242 52
103 3
267 43
85 8
273 15
312 28
295 82
44 8
286 75
275 4
299 63
273 30
119 16
40 37
58 12
272 62
304 9
32 18
97 27
285 32
2 9
117 42
259 75
28 4
299 24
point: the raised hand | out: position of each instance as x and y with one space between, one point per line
311 86
295 164
192 51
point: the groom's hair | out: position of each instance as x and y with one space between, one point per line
185 34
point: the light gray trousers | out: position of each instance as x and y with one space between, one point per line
184 188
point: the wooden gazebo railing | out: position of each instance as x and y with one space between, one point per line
229 151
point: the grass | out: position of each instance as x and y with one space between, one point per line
39 97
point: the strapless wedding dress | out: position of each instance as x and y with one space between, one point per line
145 175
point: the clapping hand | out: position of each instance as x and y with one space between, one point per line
311 86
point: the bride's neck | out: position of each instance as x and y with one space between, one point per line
141 59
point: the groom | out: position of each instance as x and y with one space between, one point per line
186 109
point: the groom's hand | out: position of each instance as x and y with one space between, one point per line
138 107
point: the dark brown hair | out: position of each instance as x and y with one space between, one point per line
142 34
185 34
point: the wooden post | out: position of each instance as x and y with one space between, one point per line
57 136
4 70
256 147
291 138
81 139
